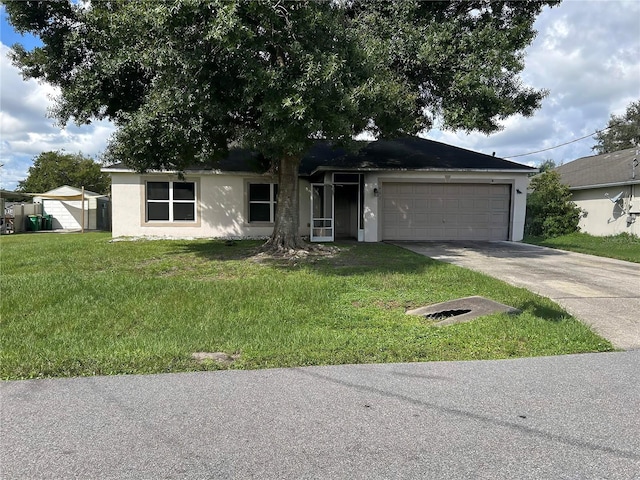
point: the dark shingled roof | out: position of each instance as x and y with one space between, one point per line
605 169
410 153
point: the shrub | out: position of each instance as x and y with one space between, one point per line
550 211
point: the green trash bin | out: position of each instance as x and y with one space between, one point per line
33 223
47 222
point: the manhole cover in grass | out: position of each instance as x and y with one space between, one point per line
447 314
461 310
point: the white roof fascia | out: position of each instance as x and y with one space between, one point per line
391 170
605 185
186 174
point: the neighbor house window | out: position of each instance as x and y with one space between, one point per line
262 202
171 201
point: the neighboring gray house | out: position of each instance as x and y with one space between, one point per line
403 189
607 188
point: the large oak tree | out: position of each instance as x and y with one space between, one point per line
185 79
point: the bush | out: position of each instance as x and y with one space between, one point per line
550 211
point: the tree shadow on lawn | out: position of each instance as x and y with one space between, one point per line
342 258
552 313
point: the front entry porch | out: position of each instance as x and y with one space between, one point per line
337 210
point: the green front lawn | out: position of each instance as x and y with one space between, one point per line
623 246
78 304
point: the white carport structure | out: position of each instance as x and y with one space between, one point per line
71 208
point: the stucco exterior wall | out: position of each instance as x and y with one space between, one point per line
376 180
221 208
602 217
223 204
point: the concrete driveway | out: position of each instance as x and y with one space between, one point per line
602 292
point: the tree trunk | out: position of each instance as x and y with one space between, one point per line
285 235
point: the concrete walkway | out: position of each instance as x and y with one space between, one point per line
602 292
573 416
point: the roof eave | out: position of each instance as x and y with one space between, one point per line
325 169
434 169
186 172
605 185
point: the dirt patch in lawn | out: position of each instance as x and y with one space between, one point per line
221 358
292 256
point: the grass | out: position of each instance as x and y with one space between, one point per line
623 246
78 304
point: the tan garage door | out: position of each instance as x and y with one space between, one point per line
433 211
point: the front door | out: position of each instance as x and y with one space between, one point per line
346 211
322 213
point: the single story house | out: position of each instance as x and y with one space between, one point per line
72 208
607 188
403 189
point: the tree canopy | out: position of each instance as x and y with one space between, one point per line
54 169
622 132
546 165
185 80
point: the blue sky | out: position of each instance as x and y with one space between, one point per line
587 54
9 36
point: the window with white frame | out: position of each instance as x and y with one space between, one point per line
262 202
171 201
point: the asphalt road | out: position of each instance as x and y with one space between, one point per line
575 416
602 292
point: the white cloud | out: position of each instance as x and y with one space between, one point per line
28 131
587 54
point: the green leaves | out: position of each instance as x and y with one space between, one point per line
550 211
54 169
185 79
623 131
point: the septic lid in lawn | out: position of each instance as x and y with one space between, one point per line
461 310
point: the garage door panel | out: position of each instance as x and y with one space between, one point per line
391 188
436 233
451 205
434 218
502 189
421 204
388 204
421 189
479 204
396 204
499 219
478 219
435 204
445 211
435 189
405 188
499 204
467 204
483 190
